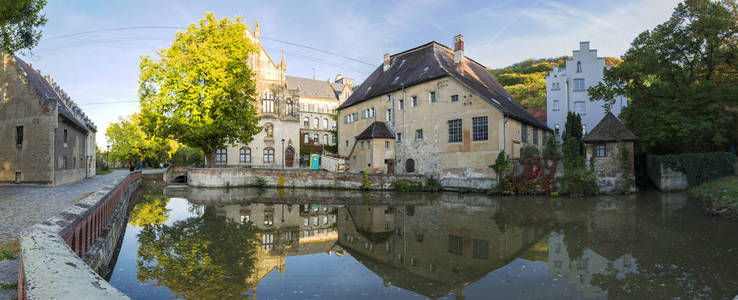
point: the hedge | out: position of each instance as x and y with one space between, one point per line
699 167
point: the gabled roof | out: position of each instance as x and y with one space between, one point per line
609 129
311 88
47 92
376 130
432 61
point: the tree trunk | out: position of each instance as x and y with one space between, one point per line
210 159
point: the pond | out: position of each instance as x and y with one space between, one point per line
322 244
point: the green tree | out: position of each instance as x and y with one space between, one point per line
206 257
130 144
681 80
19 24
150 210
573 147
201 91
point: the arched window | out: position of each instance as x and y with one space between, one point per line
579 67
290 108
325 123
306 139
268 156
245 155
221 156
325 139
306 122
316 123
315 138
410 165
267 103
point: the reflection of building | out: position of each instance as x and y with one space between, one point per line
433 250
47 138
278 110
285 230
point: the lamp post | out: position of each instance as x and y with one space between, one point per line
107 159
282 154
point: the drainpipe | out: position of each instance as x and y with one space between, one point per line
504 134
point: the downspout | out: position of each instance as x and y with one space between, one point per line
352 150
504 134
567 96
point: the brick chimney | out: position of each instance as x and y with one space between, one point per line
386 65
458 49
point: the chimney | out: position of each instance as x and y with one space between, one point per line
583 46
458 49
386 61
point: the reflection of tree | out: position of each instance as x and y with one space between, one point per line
150 210
207 257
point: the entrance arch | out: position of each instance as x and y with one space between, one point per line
289 156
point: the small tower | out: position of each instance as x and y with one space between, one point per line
257 32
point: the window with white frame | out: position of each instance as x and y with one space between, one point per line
419 134
454 131
316 123
306 122
269 156
579 84
245 155
432 97
480 129
389 114
401 104
306 138
414 101
325 139
316 137
389 98
221 156
325 123
579 107
556 129
556 105
579 67
600 150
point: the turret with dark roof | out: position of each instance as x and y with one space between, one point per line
609 129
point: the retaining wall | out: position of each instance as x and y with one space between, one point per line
670 180
299 178
63 256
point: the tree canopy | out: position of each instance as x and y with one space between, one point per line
681 80
200 92
19 24
129 143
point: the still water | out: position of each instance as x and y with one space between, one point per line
318 244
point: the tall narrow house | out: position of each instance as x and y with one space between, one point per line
448 116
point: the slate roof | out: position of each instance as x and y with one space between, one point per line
608 130
434 60
47 92
337 88
311 87
376 130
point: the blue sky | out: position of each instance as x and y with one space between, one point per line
103 66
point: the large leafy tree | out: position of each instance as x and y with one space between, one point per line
681 80
19 24
129 143
200 92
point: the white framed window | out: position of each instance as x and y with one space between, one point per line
316 123
432 97
221 156
556 129
268 156
325 139
389 98
556 105
245 155
419 134
579 107
315 138
306 138
389 114
579 67
454 131
579 84
306 122
325 123
414 101
401 104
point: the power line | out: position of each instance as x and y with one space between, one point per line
108 102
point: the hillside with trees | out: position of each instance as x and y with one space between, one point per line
526 80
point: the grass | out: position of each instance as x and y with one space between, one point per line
9 286
721 194
100 171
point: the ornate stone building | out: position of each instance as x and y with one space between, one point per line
48 139
278 143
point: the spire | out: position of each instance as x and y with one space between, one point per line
257 32
283 63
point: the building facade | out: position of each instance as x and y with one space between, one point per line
450 118
278 143
566 90
49 139
318 103
612 146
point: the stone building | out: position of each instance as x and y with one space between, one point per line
615 171
566 90
449 116
278 143
48 139
375 146
318 103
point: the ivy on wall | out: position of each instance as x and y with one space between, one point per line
699 167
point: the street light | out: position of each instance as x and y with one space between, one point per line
282 154
108 156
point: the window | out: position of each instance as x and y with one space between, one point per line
410 165
364 113
455 245
335 139
65 163
454 98
600 150
306 121
481 249
386 145
414 101
579 107
325 123
244 155
316 138
371 112
480 129
355 116
431 97
334 124
221 156
401 104
535 136
419 134
579 84
454 131
65 138
347 143
556 129
325 139
316 123
524 133
389 98
555 85
306 138
579 67
19 137
556 105
268 156
389 114
368 144
362 145
267 105
399 137
74 162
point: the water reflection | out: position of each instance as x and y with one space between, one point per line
436 245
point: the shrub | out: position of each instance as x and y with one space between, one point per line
699 167
502 163
367 184
529 151
551 149
260 182
579 181
406 186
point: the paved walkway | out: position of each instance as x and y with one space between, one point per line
22 206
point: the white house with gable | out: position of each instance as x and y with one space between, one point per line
566 90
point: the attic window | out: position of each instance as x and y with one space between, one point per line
425 69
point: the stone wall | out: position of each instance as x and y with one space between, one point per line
611 177
671 180
62 256
301 178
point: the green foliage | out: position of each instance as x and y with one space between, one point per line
130 144
201 92
529 151
150 210
502 164
20 21
720 195
578 181
681 80
187 156
367 184
573 147
551 149
6 254
9 286
260 182
626 164
699 167
406 186
207 257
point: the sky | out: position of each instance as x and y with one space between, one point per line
91 50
